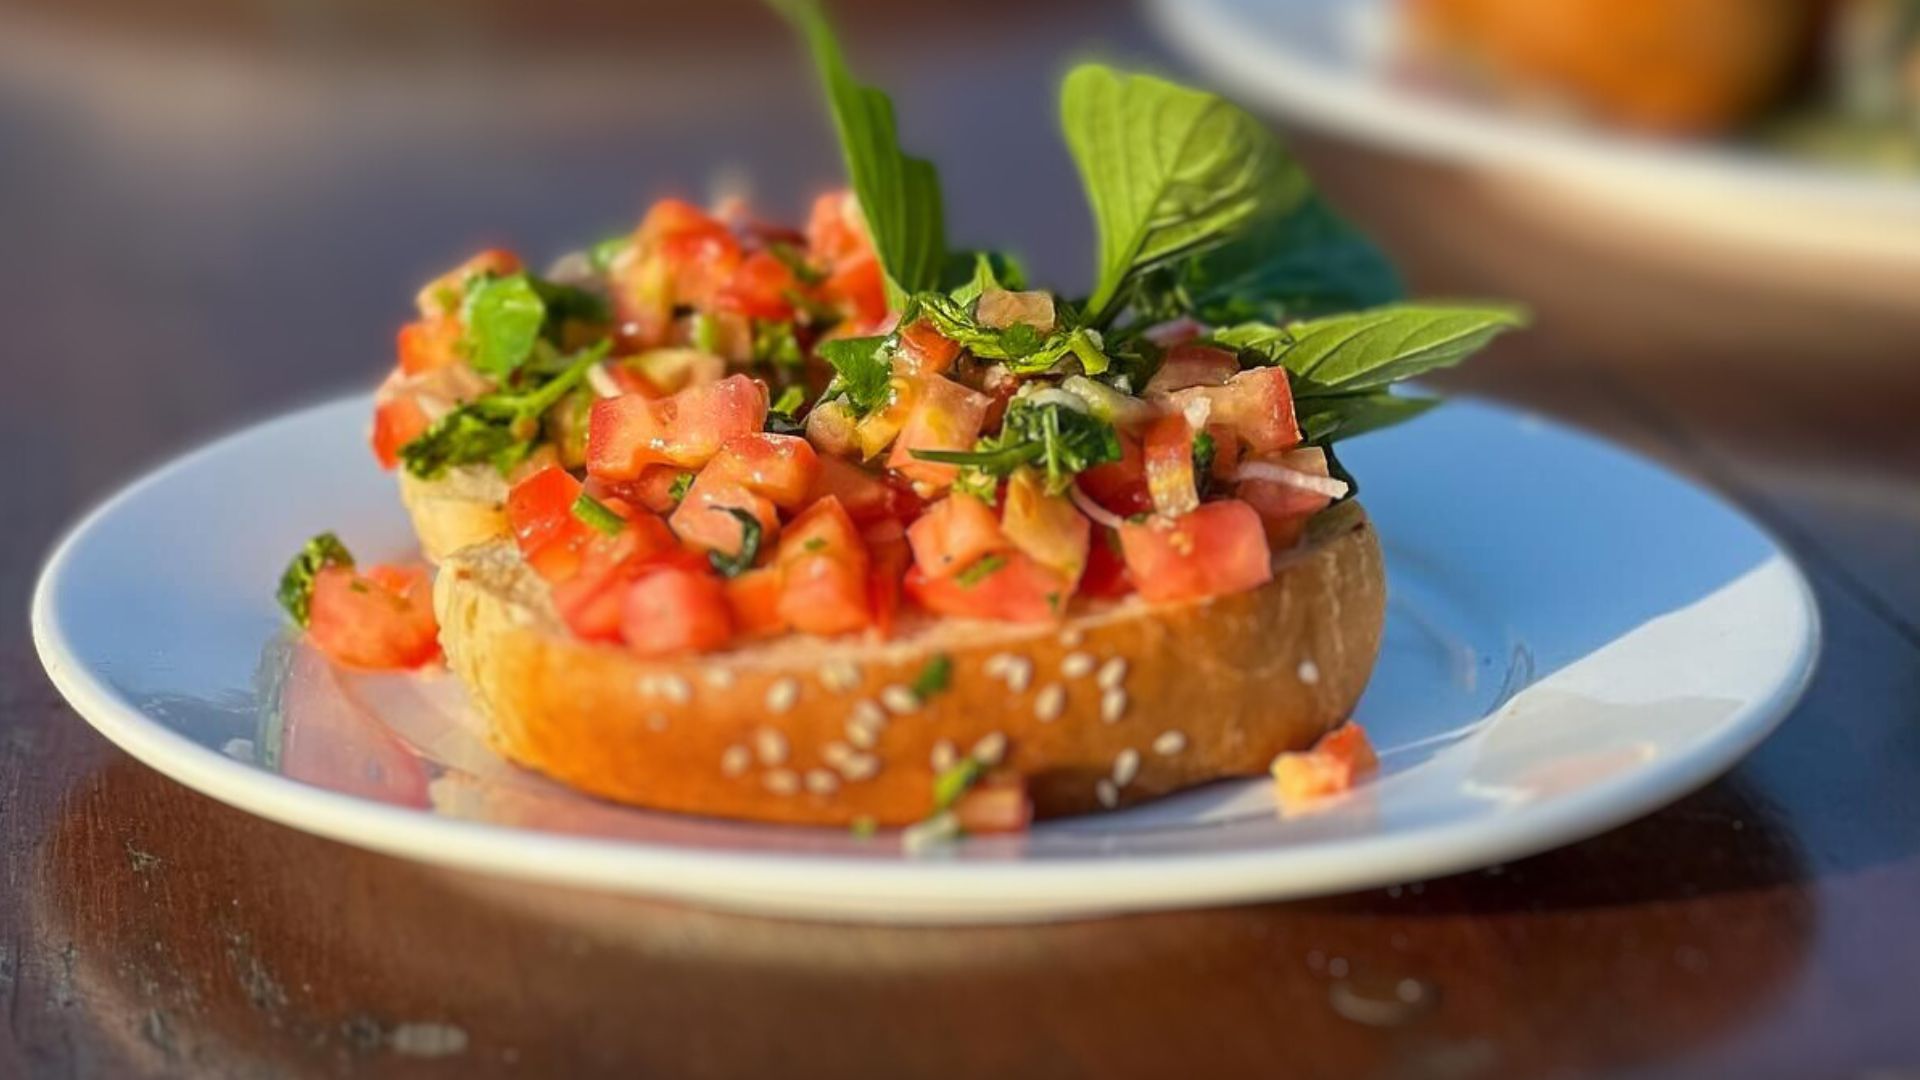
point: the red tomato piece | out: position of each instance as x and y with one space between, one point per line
540 507
428 345
1216 550
754 600
924 351
590 590
1256 405
397 421
1047 527
628 433
824 566
673 611
782 468
889 556
762 287
1106 575
379 619
836 232
1340 759
704 519
1120 486
997 804
1283 508
1169 461
865 495
953 534
1018 590
1192 365
945 416
653 489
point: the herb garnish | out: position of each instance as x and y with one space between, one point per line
861 370
954 781
740 561
933 678
678 489
597 515
982 569
498 428
296 583
1064 439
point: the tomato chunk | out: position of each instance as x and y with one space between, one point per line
762 287
1192 365
704 519
945 416
378 619
1120 486
924 351
630 432
888 555
540 507
997 804
1255 405
1017 590
1341 758
1283 508
865 495
397 421
953 534
675 610
781 468
1218 549
589 587
1169 462
1047 527
754 600
824 567
428 345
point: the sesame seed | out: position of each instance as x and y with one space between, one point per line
822 782
1169 743
676 689
991 748
782 694
1112 673
996 665
900 699
861 735
1108 795
1126 766
781 781
1309 672
867 714
942 756
736 760
1077 665
1019 674
1113 705
836 753
1071 637
1050 702
771 746
719 678
859 767
935 832
656 721
840 676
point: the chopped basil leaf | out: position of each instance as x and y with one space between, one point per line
597 515
678 489
934 677
296 583
499 428
861 371
503 316
774 343
1205 449
1023 348
740 561
982 569
815 544
1063 439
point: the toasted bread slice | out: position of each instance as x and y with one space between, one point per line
465 506
1112 706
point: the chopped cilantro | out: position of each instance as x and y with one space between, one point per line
296 584
499 428
982 569
597 515
790 400
1063 439
678 489
934 677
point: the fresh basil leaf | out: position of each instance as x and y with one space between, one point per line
1063 440
790 400
498 428
861 370
1367 349
899 195
1326 418
503 316
1022 348
564 302
740 561
1293 265
1259 344
296 583
1168 171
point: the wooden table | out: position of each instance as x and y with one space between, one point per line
222 218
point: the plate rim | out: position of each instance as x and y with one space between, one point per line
885 886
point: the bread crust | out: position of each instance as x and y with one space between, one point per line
1150 699
464 507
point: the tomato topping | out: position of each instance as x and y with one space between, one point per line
953 534
1256 405
675 610
1192 365
378 619
657 488
1341 757
540 507
945 416
1106 577
762 287
590 590
397 421
997 804
629 432
1120 486
823 566
754 600
889 556
924 350
442 297
1218 549
1045 526
681 255
1169 463
704 519
865 495
1283 508
836 233
1015 589
859 290
782 468
428 344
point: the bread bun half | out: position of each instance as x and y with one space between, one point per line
1110 707
459 509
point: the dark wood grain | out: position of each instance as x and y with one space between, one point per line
221 221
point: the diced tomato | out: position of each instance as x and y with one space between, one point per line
858 289
629 432
681 256
1047 527
674 611
762 287
754 599
832 429
428 344
704 519
1175 331
1226 452
652 489
953 534
397 421
876 431
1192 365
1169 458
823 565
866 496
782 468
1256 405
540 507
659 372
1340 759
1218 549
441 297
924 351
1106 577
945 416
1283 508
1017 590
997 804
380 618
589 592
1120 486
888 555
836 232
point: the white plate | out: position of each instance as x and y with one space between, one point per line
1329 63
1575 638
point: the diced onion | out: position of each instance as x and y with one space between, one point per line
602 382
1280 474
1055 396
1094 511
1198 409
